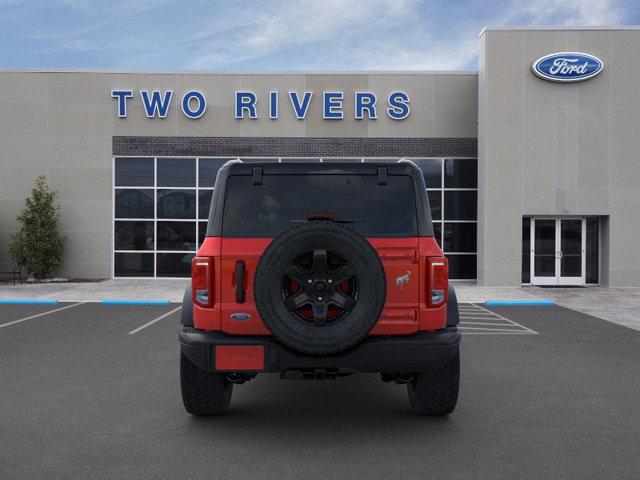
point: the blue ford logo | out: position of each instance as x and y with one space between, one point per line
240 316
567 66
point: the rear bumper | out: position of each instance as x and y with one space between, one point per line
421 352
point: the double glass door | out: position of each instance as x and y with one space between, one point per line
558 251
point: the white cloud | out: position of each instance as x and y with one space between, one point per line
305 34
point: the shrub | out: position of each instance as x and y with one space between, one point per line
37 246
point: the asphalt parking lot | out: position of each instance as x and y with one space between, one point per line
91 391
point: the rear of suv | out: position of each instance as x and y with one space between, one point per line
315 271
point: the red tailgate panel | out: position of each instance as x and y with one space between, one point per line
404 261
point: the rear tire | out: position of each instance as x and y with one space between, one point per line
203 393
436 393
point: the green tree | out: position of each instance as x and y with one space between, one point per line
37 246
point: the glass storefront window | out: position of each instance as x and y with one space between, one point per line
526 250
462 267
460 173
431 171
176 172
208 171
593 246
134 203
169 198
176 203
452 191
133 264
134 172
460 237
204 203
133 235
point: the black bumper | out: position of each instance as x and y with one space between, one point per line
421 352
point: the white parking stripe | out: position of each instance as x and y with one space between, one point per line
491 329
487 323
39 315
165 315
506 319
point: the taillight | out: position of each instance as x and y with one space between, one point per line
438 280
202 281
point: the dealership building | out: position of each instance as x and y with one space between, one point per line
532 163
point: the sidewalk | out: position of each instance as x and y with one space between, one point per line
120 289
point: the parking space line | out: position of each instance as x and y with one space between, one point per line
487 323
164 315
39 315
509 330
508 320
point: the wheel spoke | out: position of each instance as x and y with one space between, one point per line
294 272
297 300
343 273
320 314
320 262
343 301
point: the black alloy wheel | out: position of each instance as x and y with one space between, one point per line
320 287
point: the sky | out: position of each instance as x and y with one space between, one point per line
277 35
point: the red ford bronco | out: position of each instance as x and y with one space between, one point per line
319 270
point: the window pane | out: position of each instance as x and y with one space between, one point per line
593 240
133 236
202 232
460 173
460 237
133 264
437 232
174 264
208 170
526 250
204 203
462 267
134 203
460 205
176 172
282 201
134 172
177 204
176 236
435 203
431 171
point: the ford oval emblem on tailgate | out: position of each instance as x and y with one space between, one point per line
240 316
567 66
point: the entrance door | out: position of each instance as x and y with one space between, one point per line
558 251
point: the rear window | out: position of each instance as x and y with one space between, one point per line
282 201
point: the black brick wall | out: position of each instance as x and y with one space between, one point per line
294 147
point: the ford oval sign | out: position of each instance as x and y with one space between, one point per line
567 66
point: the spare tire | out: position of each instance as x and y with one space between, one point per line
320 288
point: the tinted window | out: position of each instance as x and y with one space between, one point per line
204 203
176 235
281 201
133 236
208 170
460 173
176 172
462 267
133 264
435 203
460 205
431 171
134 203
174 264
460 237
177 204
526 250
134 172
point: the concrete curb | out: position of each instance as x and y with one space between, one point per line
518 303
117 301
28 301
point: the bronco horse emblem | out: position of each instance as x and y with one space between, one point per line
402 280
